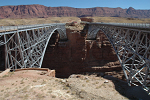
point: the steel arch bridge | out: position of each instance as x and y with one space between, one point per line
25 46
132 46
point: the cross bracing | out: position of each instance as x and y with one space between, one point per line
25 46
132 47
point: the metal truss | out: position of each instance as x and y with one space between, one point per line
25 47
132 47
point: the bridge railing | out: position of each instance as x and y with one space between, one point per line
8 28
141 25
136 25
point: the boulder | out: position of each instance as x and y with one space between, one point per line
87 19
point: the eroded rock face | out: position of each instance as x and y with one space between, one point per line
78 55
23 11
87 19
32 11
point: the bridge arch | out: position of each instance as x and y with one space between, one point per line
132 49
25 46
55 36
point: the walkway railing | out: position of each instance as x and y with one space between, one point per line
135 25
10 28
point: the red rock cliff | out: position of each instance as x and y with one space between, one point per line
31 11
78 55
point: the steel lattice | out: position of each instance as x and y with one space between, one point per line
132 47
25 47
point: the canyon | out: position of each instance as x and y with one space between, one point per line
78 55
40 11
81 65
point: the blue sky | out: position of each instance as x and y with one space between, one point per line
137 4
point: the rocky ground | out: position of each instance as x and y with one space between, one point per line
36 85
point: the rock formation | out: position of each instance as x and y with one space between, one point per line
79 55
40 11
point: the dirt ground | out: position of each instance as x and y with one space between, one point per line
31 21
36 85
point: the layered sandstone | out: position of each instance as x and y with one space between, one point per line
79 55
32 11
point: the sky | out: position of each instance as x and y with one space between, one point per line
136 4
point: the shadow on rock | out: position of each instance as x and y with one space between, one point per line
131 92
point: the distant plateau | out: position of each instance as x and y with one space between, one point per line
40 11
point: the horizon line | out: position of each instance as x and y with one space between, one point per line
75 7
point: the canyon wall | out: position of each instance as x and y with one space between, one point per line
40 11
78 55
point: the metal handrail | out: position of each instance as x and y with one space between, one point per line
9 28
135 25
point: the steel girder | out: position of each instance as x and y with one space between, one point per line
25 47
132 47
